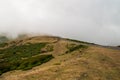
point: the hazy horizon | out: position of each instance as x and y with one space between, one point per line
96 21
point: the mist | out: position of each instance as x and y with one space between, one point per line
96 21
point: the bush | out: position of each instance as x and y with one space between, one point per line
22 57
72 48
25 64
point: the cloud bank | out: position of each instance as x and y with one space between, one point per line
96 21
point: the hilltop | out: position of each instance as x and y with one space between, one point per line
55 58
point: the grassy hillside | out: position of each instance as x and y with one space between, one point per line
54 58
22 57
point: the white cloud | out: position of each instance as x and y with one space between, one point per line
90 20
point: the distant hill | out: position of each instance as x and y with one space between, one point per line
55 58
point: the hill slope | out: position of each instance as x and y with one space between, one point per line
65 59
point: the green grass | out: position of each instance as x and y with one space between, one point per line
23 57
3 44
23 50
74 47
25 64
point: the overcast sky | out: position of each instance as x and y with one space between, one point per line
95 21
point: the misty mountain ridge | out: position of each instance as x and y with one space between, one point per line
59 39
52 58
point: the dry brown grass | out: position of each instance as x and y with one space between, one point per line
95 63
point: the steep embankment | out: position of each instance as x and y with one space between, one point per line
69 60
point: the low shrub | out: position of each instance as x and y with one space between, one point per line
25 64
22 57
75 47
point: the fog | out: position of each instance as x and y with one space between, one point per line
96 21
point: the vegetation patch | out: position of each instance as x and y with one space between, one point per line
23 57
23 50
74 47
47 48
24 64
3 44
